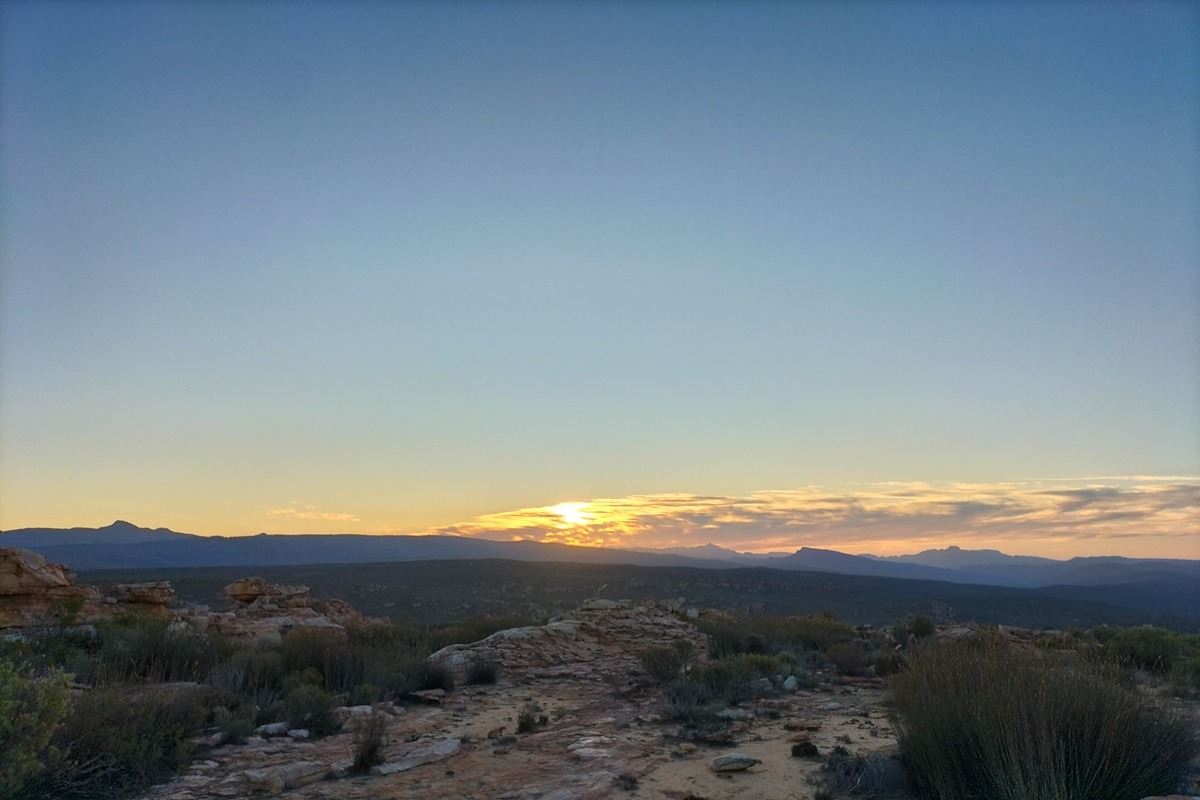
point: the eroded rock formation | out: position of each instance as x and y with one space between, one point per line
36 592
602 634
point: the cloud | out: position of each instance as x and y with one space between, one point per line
310 513
883 518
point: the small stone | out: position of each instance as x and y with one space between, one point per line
790 683
733 762
272 729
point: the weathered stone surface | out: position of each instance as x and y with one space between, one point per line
155 593
429 754
263 612
35 592
288 776
733 762
608 635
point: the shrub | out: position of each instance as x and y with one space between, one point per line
117 741
889 664
310 707
921 626
235 725
250 677
482 671
137 649
531 718
365 694
848 658
869 774
984 719
688 701
1147 647
662 664
369 741
424 674
30 709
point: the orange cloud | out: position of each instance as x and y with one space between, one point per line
1065 517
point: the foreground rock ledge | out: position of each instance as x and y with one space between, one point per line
602 633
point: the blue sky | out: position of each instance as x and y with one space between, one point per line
413 263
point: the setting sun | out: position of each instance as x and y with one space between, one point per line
572 514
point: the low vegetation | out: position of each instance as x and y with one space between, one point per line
982 717
152 686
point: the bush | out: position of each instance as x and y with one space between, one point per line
310 707
848 658
662 664
117 741
369 742
482 671
869 775
981 718
531 718
889 664
30 709
1147 647
688 701
136 649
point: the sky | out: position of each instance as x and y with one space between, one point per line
868 276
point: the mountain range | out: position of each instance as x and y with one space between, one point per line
123 545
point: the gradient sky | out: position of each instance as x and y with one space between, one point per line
407 267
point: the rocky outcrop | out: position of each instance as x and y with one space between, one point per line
262 611
148 599
35 592
603 635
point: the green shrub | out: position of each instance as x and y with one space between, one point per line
369 740
980 718
119 740
1146 647
889 663
250 677
482 671
31 708
862 774
136 649
312 708
688 700
662 664
531 718
848 658
235 725
365 694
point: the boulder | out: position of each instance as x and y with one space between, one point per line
35 592
275 780
733 762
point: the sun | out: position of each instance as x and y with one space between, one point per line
572 514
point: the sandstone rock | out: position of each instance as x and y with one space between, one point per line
288 776
35 592
258 592
272 729
606 636
154 593
790 683
429 754
733 762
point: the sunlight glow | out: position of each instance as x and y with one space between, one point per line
572 514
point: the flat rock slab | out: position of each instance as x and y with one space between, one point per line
733 762
289 776
419 757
